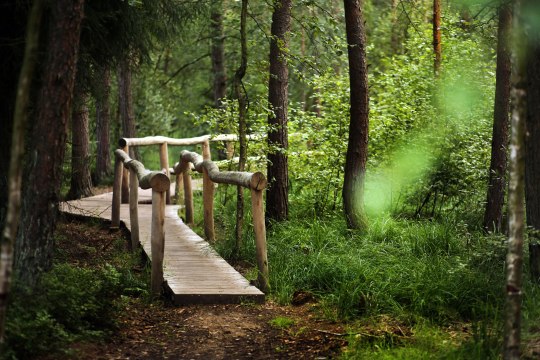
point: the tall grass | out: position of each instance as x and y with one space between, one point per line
427 274
422 268
436 270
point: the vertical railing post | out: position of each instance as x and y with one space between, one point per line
208 206
179 194
134 209
206 150
157 240
229 147
117 189
257 209
188 196
208 196
164 162
125 180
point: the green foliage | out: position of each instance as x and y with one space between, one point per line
428 342
282 322
70 303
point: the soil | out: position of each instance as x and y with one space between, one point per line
158 330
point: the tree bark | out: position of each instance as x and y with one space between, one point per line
437 36
125 103
277 207
242 124
103 118
81 181
218 52
493 214
532 139
356 158
13 18
516 192
34 246
9 233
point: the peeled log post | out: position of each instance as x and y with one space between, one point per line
117 189
229 146
208 205
164 163
259 227
134 209
188 197
206 150
157 240
125 181
177 188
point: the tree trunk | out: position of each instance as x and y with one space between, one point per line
242 126
34 246
355 162
125 103
499 153
532 139
395 40
437 36
81 181
103 117
277 207
516 192
218 52
9 233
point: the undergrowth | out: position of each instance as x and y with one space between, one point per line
429 275
76 300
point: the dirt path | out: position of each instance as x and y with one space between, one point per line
218 332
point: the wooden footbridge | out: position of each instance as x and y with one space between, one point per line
184 266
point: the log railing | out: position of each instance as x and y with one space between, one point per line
160 183
256 182
163 142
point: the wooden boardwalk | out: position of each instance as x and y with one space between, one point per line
193 271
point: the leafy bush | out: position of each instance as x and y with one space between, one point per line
70 303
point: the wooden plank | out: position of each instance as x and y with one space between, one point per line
193 271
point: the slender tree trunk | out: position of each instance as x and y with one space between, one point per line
20 117
499 153
395 43
437 36
34 246
277 194
532 139
355 163
103 118
218 52
125 103
127 118
242 124
516 192
81 180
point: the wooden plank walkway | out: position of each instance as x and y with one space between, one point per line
194 273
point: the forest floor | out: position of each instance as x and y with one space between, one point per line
158 330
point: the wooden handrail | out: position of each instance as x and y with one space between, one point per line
160 183
256 182
158 140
